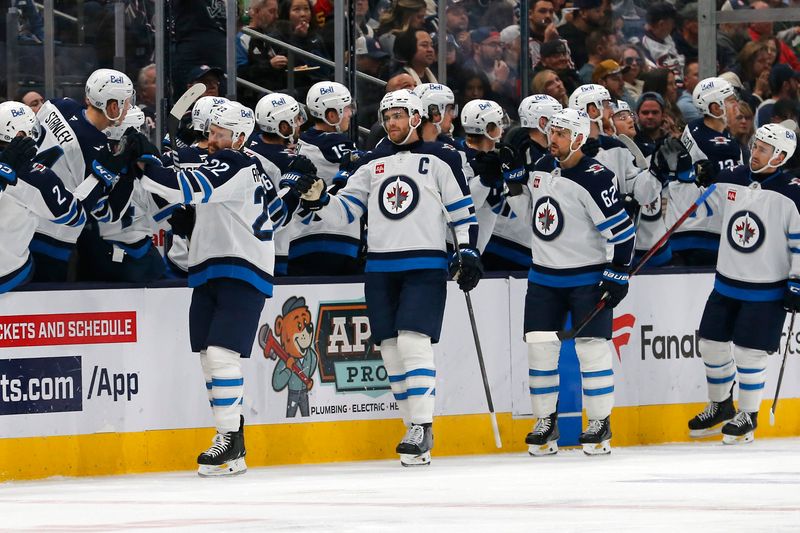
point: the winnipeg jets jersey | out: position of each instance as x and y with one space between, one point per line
701 231
579 223
236 210
134 231
759 247
405 191
69 146
324 149
488 200
275 159
38 193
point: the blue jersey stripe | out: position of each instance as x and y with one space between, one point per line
612 221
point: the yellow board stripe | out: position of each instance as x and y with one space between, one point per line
322 442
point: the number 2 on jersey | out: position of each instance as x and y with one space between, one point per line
260 197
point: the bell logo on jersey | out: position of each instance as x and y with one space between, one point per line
732 195
399 195
547 219
745 232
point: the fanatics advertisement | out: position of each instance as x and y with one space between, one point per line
118 360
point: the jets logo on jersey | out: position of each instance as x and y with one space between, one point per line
547 219
652 211
745 232
399 195
720 140
594 169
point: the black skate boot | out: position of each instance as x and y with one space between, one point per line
596 440
713 417
543 440
740 429
415 448
225 457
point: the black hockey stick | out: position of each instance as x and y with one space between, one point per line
565 335
177 112
780 374
473 324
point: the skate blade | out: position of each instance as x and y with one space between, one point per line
236 467
415 460
738 439
708 432
540 450
597 448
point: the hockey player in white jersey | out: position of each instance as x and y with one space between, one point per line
317 249
231 260
712 149
73 139
509 247
439 108
33 192
639 188
404 186
757 280
278 120
572 203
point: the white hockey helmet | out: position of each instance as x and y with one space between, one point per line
536 106
134 119
712 91
275 108
620 106
782 139
201 112
328 95
16 117
436 95
577 122
402 99
477 115
106 84
235 117
591 93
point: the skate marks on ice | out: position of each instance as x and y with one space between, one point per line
698 486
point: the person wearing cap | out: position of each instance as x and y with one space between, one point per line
262 14
487 54
555 56
657 40
783 85
588 17
609 74
457 18
414 51
598 50
211 77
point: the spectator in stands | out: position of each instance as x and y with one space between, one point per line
487 56
761 31
650 113
211 77
31 99
404 15
742 127
455 62
753 70
632 57
199 39
657 40
555 56
510 37
686 34
785 110
366 24
588 17
547 82
542 27
373 61
597 48
730 39
414 51
262 13
609 74
688 110
662 81
457 18
783 85
146 98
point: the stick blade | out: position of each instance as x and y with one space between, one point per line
641 161
771 417
186 100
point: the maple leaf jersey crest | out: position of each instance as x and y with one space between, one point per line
399 195
548 220
745 231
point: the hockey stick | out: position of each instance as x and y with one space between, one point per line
780 374
177 112
569 334
495 429
641 161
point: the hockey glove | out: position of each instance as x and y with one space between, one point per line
182 221
137 145
706 172
313 193
511 164
631 206
791 299
300 166
469 272
17 157
488 168
614 284
591 147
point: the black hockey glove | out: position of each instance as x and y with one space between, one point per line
182 221
300 166
706 172
631 206
591 147
511 163
614 284
137 145
488 167
313 193
17 156
791 299
470 271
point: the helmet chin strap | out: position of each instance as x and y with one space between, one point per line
411 129
768 166
571 151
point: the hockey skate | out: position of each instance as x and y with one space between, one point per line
711 420
415 448
596 440
543 440
225 457
740 429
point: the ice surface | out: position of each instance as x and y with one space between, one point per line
679 487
